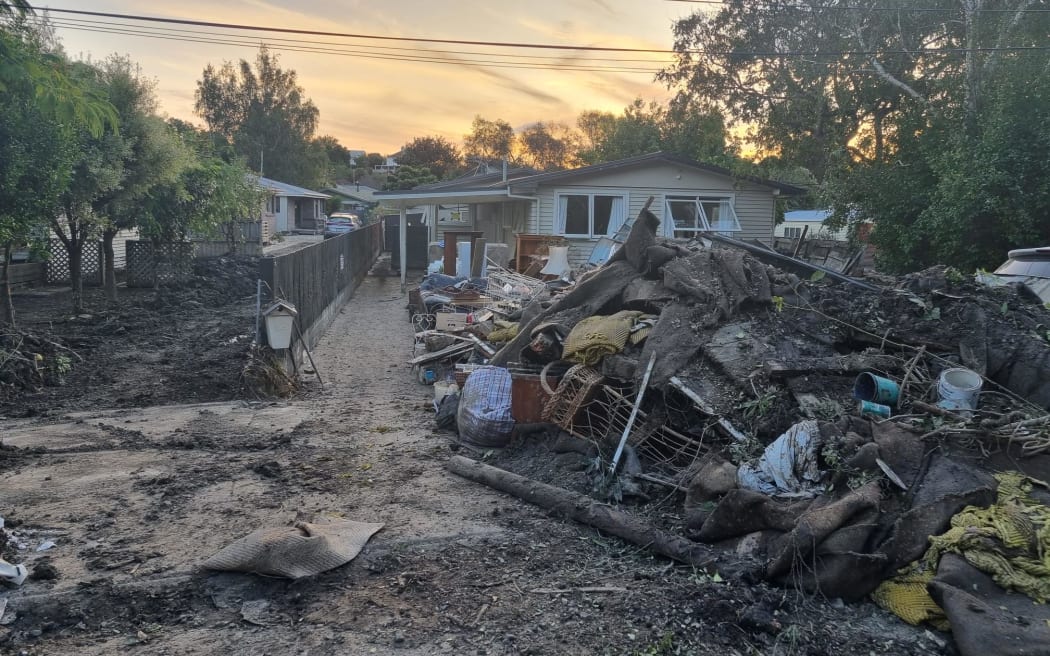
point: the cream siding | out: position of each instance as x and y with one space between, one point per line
754 204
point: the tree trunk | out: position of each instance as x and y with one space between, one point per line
110 270
603 517
7 307
76 275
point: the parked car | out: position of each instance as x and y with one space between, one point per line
1027 266
341 223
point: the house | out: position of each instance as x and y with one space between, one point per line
592 202
796 221
389 166
291 209
356 197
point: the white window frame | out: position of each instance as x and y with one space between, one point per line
705 226
792 232
615 223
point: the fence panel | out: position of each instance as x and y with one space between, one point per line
90 263
318 276
165 264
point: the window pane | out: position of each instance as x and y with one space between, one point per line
576 215
684 214
720 214
603 207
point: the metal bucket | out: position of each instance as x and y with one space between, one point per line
869 387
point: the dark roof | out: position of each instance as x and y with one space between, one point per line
558 176
475 182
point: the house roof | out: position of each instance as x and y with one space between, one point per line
285 189
809 216
355 191
525 180
660 156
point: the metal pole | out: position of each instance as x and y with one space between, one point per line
403 245
634 414
258 307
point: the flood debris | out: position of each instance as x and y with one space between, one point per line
303 549
826 428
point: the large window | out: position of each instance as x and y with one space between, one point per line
590 215
793 233
692 214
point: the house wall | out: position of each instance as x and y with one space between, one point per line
754 204
816 230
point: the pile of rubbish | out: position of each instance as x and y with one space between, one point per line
884 439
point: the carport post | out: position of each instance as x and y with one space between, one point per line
402 234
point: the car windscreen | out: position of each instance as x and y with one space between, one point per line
340 220
1025 267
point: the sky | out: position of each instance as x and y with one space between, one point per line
378 105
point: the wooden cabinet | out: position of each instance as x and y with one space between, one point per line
529 245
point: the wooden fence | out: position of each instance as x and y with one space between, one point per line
319 279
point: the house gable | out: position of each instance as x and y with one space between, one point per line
657 178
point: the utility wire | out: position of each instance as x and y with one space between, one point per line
738 54
363 54
84 22
721 3
345 35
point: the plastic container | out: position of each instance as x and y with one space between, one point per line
958 388
869 387
874 410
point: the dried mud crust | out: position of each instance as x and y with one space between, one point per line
458 568
152 347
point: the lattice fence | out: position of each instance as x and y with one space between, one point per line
90 264
164 264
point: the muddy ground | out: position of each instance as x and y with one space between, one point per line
137 482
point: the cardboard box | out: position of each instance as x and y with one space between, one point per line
450 321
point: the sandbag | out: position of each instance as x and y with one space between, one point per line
483 417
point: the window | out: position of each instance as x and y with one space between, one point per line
692 214
793 233
589 215
272 204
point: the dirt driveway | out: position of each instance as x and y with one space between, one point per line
135 499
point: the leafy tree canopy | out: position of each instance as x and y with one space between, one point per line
267 117
437 154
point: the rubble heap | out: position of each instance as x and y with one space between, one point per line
736 381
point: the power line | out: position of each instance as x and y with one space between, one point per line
722 3
362 54
72 23
207 37
347 35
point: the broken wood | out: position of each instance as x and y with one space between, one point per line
600 516
704 407
838 364
454 350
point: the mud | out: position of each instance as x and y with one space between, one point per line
136 498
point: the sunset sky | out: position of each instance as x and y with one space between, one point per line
378 104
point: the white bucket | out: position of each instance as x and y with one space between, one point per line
958 389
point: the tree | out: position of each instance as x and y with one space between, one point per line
887 109
437 154
46 106
547 146
266 115
407 177
488 140
337 158
152 155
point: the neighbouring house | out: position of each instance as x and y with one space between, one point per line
291 209
354 197
796 221
389 166
592 202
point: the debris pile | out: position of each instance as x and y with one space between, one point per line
825 430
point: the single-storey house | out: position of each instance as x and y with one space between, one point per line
291 209
354 197
592 202
796 221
